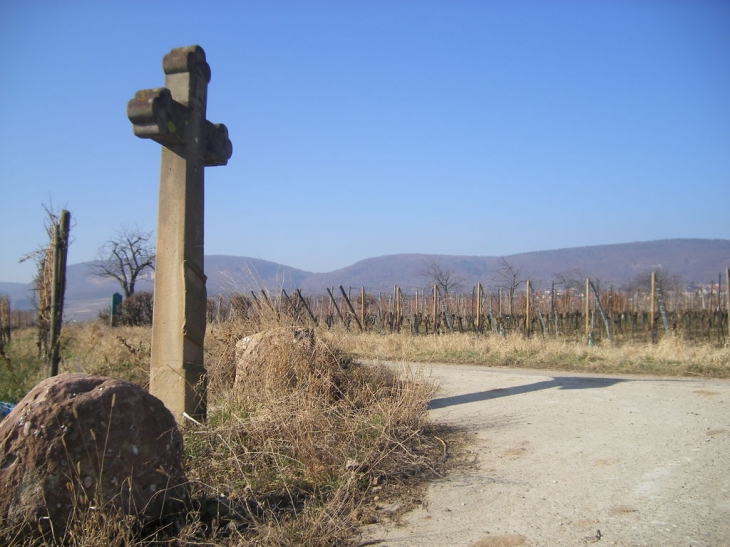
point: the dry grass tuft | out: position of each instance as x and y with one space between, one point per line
120 352
305 454
670 357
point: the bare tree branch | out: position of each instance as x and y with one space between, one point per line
573 278
446 279
126 257
508 277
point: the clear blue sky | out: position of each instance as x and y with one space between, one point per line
363 129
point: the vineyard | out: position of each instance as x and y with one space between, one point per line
584 315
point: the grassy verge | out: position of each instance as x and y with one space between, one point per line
670 357
20 367
300 463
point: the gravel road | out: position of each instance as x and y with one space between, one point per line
576 459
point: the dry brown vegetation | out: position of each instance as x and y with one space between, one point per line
301 463
306 462
672 356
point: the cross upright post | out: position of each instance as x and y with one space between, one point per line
175 117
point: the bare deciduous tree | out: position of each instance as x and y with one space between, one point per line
664 281
446 279
573 278
137 310
508 278
126 257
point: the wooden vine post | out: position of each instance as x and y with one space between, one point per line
553 311
337 308
435 309
58 287
589 337
349 307
652 302
362 306
727 301
479 307
527 308
599 306
306 307
395 308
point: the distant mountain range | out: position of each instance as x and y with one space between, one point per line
688 260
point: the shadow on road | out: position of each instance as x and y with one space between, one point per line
563 382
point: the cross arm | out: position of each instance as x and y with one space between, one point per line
156 115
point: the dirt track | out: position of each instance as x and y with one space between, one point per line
562 456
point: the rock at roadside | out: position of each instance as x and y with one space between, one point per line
77 443
281 359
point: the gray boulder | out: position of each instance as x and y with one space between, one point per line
275 359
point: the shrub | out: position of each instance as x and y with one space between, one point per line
136 310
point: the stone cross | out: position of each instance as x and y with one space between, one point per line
174 116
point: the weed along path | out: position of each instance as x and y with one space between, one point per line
575 459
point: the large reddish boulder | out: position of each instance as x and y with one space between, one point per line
78 442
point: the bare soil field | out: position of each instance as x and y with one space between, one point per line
569 459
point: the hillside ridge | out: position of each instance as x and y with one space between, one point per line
697 261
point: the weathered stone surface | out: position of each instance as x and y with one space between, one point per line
175 116
78 441
276 359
